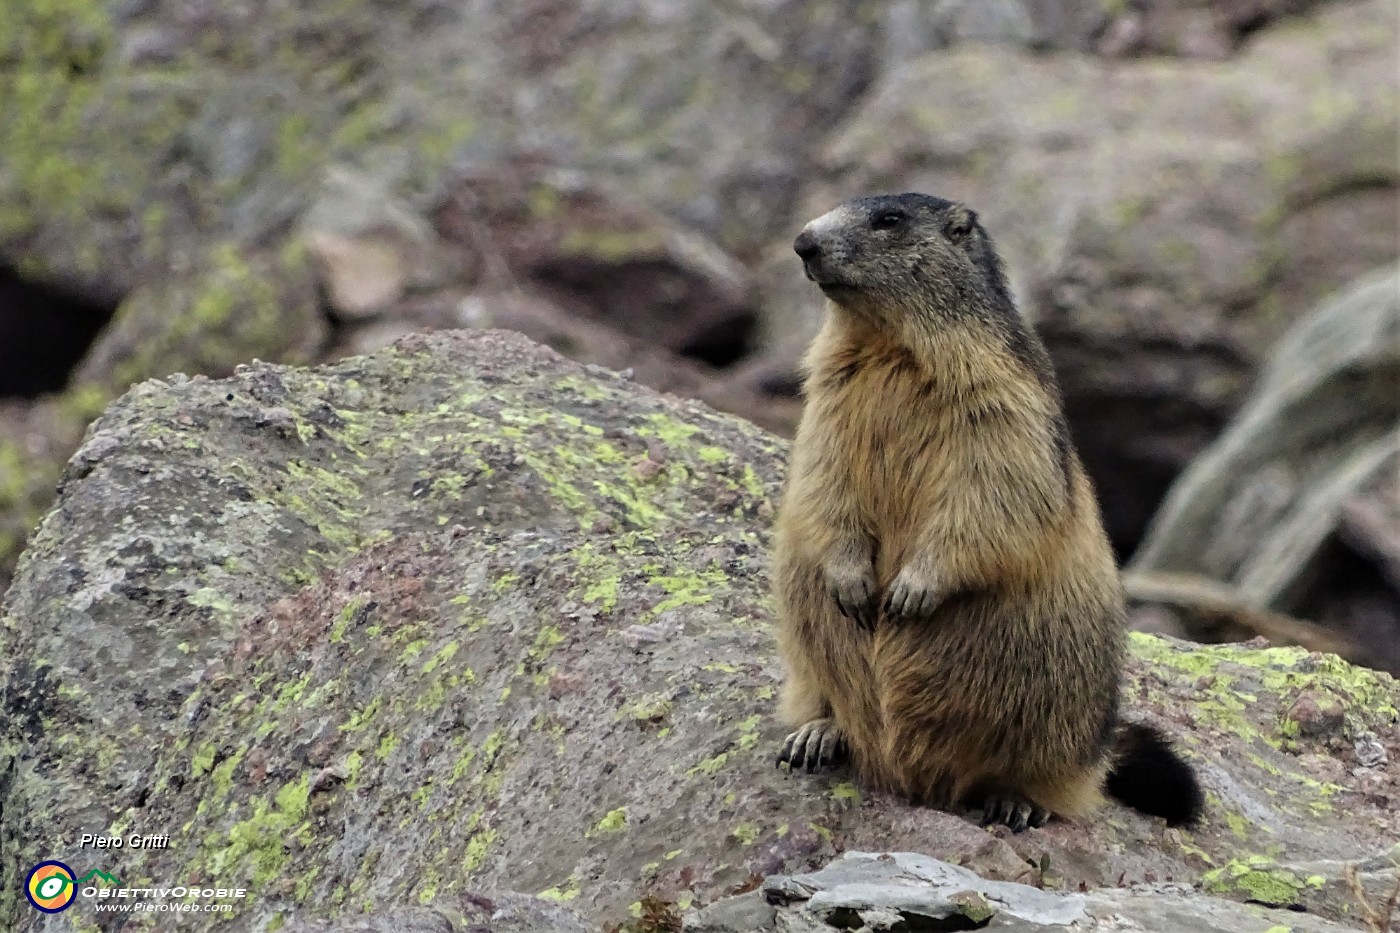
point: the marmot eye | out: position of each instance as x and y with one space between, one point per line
887 219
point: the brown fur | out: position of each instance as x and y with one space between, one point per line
932 456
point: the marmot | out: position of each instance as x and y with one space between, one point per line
950 611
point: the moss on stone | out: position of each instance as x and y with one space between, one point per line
1258 879
1236 676
615 821
562 893
438 691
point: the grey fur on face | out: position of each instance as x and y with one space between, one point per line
916 251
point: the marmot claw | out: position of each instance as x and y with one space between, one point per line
855 596
911 600
816 744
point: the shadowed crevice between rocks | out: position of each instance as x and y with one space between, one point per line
45 330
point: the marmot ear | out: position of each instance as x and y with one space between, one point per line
959 222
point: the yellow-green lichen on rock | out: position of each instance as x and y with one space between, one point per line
1260 880
404 634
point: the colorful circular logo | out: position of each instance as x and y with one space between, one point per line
50 887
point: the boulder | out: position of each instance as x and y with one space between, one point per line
601 253
464 619
176 163
906 891
1163 222
1301 483
185 161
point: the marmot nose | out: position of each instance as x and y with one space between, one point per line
806 246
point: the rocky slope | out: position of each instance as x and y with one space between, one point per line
463 618
1174 181
1300 489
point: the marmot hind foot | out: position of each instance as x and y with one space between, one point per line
814 745
1014 811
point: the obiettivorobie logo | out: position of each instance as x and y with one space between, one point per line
52 888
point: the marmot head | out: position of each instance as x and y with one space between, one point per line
911 253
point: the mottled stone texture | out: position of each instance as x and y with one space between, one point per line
464 617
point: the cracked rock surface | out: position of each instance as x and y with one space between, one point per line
463 618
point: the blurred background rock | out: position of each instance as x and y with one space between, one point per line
1197 200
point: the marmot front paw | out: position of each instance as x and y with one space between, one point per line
913 597
855 595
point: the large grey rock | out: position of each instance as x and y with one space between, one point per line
1209 29
905 886
462 616
1164 223
905 891
184 161
1320 433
